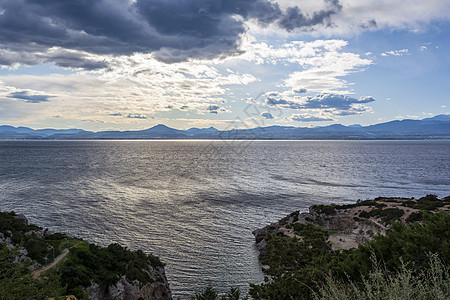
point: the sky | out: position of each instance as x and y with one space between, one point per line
129 65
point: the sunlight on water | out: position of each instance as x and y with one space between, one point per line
194 203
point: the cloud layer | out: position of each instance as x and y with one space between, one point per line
173 30
327 104
29 98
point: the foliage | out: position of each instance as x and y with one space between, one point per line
105 266
380 284
324 209
387 215
16 281
84 263
209 293
414 217
429 202
10 224
296 266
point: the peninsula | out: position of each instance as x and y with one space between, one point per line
340 249
38 264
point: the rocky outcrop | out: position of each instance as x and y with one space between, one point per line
346 228
352 224
157 289
37 251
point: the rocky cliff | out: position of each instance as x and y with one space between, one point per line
352 224
55 265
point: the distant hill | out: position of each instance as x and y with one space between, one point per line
437 127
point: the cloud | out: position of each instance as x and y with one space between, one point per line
215 109
358 15
369 24
323 64
173 30
300 91
310 118
336 104
137 116
26 97
267 116
130 115
396 52
294 18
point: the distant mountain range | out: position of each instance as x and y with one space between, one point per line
437 127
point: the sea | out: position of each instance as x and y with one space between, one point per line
195 203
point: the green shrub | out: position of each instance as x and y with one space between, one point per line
297 266
380 284
324 209
37 249
414 217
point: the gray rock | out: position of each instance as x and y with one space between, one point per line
21 217
157 289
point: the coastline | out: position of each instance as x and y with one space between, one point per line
305 255
36 261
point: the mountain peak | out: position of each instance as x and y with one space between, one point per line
160 126
441 117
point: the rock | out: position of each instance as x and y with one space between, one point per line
157 289
21 217
261 246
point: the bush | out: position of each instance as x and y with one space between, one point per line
414 217
37 249
387 215
380 284
324 209
297 266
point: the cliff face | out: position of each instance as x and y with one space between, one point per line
158 289
59 265
352 224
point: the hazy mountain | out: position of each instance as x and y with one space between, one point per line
199 131
429 128
438 118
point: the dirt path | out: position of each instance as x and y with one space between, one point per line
37 273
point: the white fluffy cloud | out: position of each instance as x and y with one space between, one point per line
322 64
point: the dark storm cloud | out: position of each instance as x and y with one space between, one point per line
25 96
294 18
174 30
61 57
337 104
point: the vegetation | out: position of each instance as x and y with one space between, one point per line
16 281
211 294
85 263
387 215
429 202
297 266
410 261
105 266
381 284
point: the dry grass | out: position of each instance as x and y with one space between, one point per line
380 285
